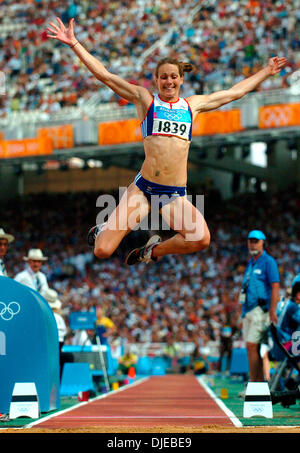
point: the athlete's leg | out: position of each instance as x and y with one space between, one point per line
132 209
192 231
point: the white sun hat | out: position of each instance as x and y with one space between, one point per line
35 254
4 235
51 297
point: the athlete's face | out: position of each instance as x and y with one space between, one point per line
169 81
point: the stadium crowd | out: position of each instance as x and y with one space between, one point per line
225 40
189 298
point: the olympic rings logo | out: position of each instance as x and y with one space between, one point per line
173 116
7 312
257 410
276 116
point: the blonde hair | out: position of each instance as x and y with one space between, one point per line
182 67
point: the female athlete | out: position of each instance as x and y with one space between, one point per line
166 123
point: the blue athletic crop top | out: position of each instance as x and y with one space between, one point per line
168 118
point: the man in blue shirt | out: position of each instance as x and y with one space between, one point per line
288 324
288 312
259 298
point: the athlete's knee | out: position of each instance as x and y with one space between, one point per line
205 241
202 241
196 243
102 251
200 237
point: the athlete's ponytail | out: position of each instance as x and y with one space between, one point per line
185 67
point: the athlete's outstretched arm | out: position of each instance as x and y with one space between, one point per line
204 103
126 90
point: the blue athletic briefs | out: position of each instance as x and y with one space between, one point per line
166 193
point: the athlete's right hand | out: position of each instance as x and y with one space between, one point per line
63 34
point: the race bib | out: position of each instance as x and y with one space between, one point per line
168 118
168 127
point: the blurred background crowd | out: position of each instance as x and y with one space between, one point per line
188 298
225 40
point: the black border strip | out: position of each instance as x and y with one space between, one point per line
258 398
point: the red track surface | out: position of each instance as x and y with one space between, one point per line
177 400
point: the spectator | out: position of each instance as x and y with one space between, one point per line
199 363
32 276
51 297
127 361
84 337
105 327
259 297
5 239
289 312
228 330
172 353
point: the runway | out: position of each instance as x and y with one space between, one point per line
178 401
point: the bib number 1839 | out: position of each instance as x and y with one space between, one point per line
171 127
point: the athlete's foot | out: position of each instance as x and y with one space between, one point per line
143 254
93 233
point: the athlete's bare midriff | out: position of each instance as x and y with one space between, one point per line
165 160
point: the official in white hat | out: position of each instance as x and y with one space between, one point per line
5 239
51 297
35 255
32 276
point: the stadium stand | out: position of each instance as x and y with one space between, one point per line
219 38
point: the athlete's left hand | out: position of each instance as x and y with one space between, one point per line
276 64
61 33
